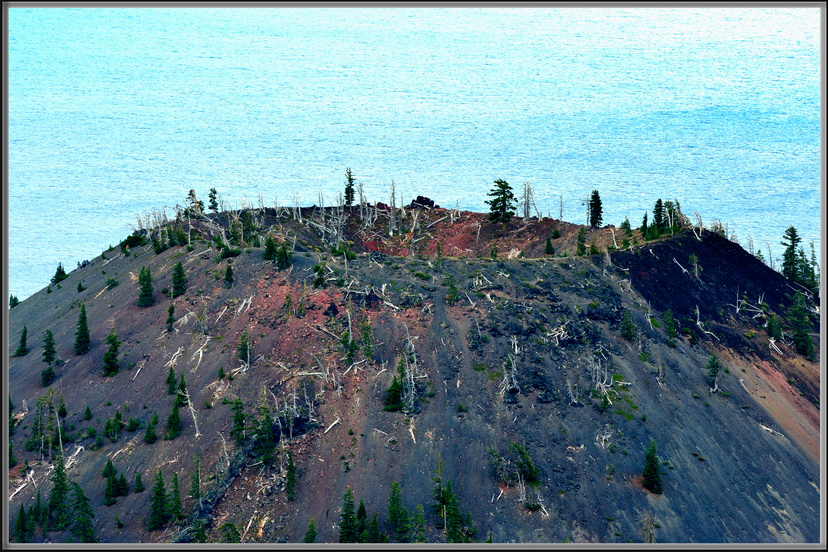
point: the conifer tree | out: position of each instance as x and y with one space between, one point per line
179 280
111 491
374 534
229 533
170 317
82 341
652 471
39 512
270 248
82 515
108 469
199 533
791 267
310 533
283 258
580 244
502 204
645 231
213 204
171 382
49 353
150 436
146 297
628 329
713 368
21 525
362 521
13 301
349 187
47 376
174 508
238 429
347 519
774 327
22 347
595 210
397 514
182 391
290 478
243 350
110 359
60 274
548 249
59 497
195 482
158 504
228 274
121 486
418 524
173 422
138 483
801 326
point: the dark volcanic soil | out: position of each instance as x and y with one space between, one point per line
505 350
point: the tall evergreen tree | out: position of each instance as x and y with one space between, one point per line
182 391
270 248
791 267
645 231
171 382
243 350
111 490
347 519
310 533
397 514
290 478
110 359
22 347
651 475
158 504
179 280
362 521
228 274
146 297
108 469
628 329
713 368
801 326
47 376
138 483
170 317
59 497
418 525
595 210
580 243
82 341
150 436
195 482
549 249
502 204
658 218
774 327
238 429
175 510
49 353
213 204
349 187
13 301
21 525
173 422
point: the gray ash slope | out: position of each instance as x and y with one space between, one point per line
514 359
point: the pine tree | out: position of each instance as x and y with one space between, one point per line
108 469
138 483
347 519
374 534
228 275
59 497
652 471
213 204
111 490
243 350
38 513
195 482
270 248
110 359
397 514
158 504
774 327
628 329
349 187
21 525
290 478
150 436
791 267
175 510
713 369
182 391
170 318
22 348
171 382
283 258
179 280
580 244
229 533
60 274
47 376
82 514
310 533
644 229
502 204
49 353
238 429
173 422
801 326
13 301
199 533
362 521
418 524
549 250
121 486
658 219
82 342
146 297
595 210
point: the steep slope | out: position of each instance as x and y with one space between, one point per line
504 354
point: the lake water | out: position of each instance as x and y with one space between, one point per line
117 111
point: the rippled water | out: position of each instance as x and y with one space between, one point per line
114 112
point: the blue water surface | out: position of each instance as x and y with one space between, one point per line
115 112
